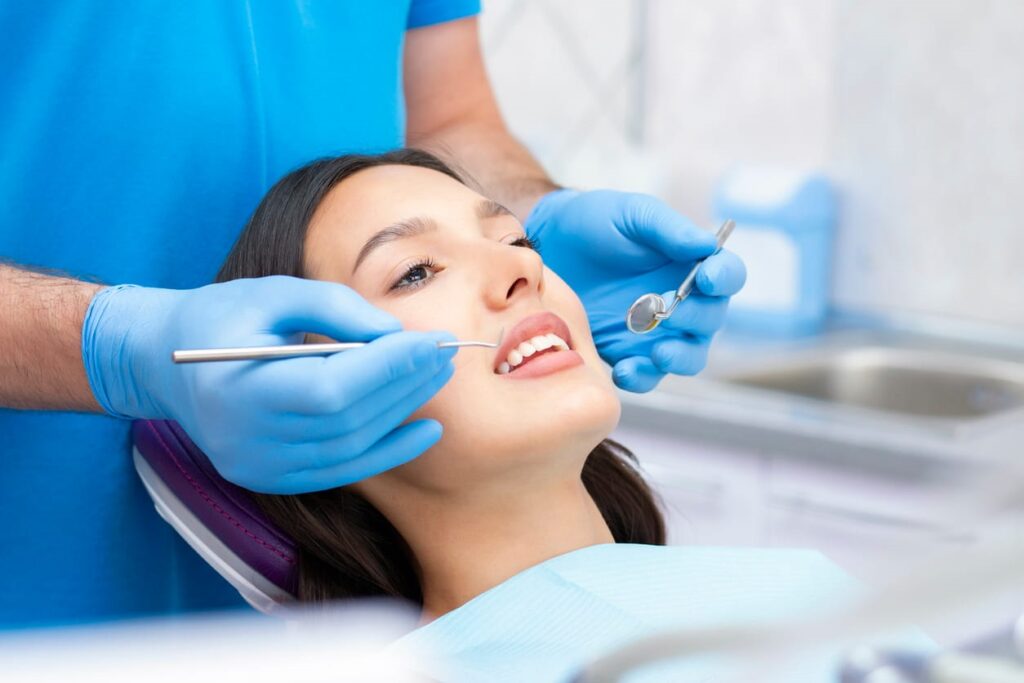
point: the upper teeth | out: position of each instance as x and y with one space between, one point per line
530 347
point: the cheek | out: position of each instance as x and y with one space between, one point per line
465 406
440 305
489 425
465 388
429 312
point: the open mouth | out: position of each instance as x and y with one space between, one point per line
531 349
534 337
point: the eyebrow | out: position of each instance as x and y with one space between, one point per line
419 225
488 208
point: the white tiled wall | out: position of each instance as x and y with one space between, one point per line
569 76
737 80
915 107
930 153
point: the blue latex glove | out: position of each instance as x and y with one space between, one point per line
611 247
280 426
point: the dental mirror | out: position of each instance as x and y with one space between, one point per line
643 314
649 310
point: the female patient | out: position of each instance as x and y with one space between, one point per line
525 534
523 471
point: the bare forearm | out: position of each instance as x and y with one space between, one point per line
451 111
41 340
503 168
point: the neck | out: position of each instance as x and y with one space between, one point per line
465 546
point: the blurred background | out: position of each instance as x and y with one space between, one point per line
869 388
914 109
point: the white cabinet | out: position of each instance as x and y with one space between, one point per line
860 519
716 495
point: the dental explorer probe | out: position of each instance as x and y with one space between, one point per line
290 351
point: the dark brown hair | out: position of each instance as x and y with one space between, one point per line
347 548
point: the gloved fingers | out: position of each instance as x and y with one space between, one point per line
637 374
352 445
328 386
722 274
396 448
393 403
696 314
327 308
287 443
657 226
680 356
335 447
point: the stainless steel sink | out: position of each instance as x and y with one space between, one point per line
896 399
914 382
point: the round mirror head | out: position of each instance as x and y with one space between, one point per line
642 315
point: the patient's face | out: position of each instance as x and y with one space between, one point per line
482 278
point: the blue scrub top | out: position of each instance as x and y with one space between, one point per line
136 138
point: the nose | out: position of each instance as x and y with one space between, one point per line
515 273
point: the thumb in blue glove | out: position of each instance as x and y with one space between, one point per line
283 426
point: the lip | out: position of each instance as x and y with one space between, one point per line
547 364
531 326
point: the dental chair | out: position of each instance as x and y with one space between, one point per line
226 527
218 519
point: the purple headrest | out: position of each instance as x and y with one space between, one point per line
216 517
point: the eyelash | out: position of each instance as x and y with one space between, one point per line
523 241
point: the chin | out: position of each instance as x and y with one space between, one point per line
582 417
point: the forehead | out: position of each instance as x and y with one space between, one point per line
374 198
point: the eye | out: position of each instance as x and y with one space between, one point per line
415 275
525 241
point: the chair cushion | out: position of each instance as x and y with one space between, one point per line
225 509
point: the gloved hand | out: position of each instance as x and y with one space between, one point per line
279 426
612 247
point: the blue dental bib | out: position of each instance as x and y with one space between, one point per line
547 622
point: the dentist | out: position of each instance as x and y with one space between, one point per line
136 138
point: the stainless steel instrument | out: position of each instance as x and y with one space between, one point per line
649 310
286 351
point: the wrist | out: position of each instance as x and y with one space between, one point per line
115 350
